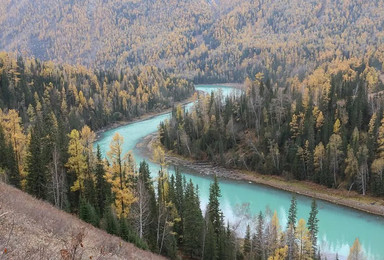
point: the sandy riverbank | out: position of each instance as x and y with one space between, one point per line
369 204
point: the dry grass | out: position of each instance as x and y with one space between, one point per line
33 229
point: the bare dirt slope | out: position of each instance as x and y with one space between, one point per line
33 229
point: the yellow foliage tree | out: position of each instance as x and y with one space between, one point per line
77 160
119 174
356 252
304 243
11 123
280 254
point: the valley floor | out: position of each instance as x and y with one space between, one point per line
341 197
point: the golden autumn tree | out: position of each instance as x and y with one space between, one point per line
377 166
11 123
319 157
303 239
77 160
87 139
274 230
280 254
120 174
356 252
334 149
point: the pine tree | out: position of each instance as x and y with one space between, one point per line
313 225
37 170
3 147
13 169
150 229
247 241
88 213
210 251
179 200
215 214
102 187
259 243
292 213
8 161
110 222
193 223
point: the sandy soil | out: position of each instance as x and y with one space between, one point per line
369 204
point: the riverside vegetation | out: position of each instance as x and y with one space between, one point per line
327 128
311 110
62 168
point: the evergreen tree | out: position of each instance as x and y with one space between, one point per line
215 214
37 171
313 226
102 187
259 246
13 173
150 229
193 223
210 251
8 161
292 213
110 222
247 241
88 213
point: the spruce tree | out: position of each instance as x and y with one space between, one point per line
247 241
37 171
313 224
3 148
150 230
102 187
210 241
111 224
292 214
13 173
259 243
215 214
193 223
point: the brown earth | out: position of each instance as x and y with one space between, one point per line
33 229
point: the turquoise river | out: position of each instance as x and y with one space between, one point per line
338 226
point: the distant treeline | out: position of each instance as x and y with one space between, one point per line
205 40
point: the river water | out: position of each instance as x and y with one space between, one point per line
338 225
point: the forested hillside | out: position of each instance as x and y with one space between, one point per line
328 128
78 96
201 39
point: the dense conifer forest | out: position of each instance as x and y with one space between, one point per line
327 128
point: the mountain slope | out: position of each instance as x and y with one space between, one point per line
202 39
32 229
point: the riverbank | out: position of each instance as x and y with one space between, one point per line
143 117
152 114
352 199
229 85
